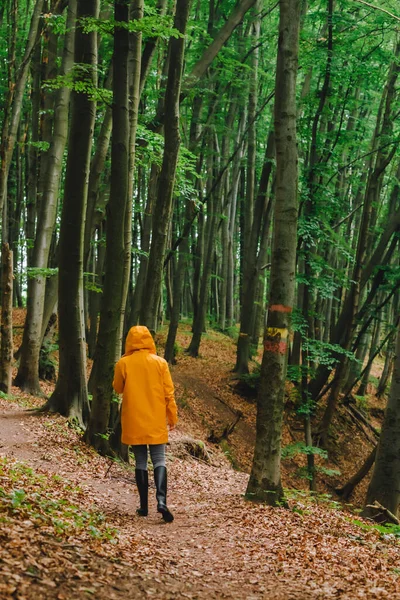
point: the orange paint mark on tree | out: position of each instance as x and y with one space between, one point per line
278 347
280 308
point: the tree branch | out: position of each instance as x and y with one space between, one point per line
378 8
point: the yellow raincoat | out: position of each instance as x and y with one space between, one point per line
148 392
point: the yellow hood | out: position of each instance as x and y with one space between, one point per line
139 338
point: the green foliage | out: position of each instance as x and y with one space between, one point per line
79 79
139 252
388 529
324 353
41 146
33 272
28 495
292 450
151 26
93 287
362 403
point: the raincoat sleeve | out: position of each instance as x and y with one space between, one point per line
119 378
172 411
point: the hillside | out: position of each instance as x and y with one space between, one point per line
69 530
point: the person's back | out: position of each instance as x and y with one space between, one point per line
147 404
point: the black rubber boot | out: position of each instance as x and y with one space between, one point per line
160 479
142 482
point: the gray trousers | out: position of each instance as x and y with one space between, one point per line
157 453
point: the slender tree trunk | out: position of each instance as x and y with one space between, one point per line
70 395
163 208
374 344
135 54
387 369
28 373
138 295
6 346
265 478
221 37
33 163
14 104
251 268
348 488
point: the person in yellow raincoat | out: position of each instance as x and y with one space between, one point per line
148 405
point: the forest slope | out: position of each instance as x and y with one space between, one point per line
68 527
219 546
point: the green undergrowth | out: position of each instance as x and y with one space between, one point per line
48 503
27 401
385 530
229 455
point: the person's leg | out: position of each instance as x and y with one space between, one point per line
142 478
157 453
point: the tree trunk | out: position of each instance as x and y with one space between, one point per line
348 488
265 478
28 372
108 340
234 19
163 208
70 395
385 483
6 347
251 266
14 104
374 344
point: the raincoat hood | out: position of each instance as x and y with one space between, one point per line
139 338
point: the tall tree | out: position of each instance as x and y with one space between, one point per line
163 206
28 372
13 107
265 478
115 289
384 487
70 395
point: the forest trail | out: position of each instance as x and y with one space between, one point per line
219 546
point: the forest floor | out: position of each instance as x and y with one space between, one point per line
68 528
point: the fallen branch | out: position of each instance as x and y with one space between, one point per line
363 419
217 439
390 516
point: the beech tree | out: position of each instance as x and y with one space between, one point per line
70 395
384 487
265 479
114 289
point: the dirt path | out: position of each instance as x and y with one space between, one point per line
219 546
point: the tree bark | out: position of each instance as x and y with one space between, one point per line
70 395
28 372
6 347
348 488
14 104
163 208
222 36
385 483
114 289
265 478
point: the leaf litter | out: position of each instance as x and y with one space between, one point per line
68 528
